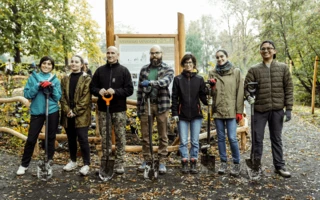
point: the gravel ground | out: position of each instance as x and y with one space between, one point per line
302 155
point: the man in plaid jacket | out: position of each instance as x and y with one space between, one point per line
158 76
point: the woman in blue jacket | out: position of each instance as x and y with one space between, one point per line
188 88
34 92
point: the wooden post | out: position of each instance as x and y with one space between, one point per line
315 71
181 38
109 23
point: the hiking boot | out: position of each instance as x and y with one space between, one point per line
162 168
223 167
84 170
193 166
235 171
283 172
70 166
22 170
184 164
142 166
119 169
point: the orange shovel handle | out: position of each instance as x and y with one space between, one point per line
107 100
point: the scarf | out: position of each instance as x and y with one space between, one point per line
221 69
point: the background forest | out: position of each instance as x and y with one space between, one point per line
30 29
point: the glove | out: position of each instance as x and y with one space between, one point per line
287 115
250 100
238 117
145 83
175 118
212 82
45 84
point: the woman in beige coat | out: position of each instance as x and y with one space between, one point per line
227 108
76 113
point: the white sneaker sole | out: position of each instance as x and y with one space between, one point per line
70 169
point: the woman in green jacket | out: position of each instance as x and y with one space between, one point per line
76 113
227 108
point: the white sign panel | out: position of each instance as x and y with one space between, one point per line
134 53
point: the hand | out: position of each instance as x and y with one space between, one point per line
70 114
250 100
210 102
103 92
212 82
175 118
45 84
110 91
287 116
239 117
145 83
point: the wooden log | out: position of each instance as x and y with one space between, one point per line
21 99
139 148
63 137
22 137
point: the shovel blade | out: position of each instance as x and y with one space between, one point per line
44 170
151 170
249 163
106 171
208 161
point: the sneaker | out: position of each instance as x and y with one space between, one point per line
119 169
70 166
142 166
283 172
255 175
235 171
162 168
22 170
84 170
223 167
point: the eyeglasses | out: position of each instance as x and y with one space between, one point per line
188 63
268 49
155 53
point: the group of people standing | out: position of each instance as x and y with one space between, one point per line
275 93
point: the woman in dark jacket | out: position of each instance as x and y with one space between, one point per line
76 113
188 88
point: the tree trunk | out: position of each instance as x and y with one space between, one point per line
17 32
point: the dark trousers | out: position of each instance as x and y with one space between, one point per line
82 135
275 123
36 124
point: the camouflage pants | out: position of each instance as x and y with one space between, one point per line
119 121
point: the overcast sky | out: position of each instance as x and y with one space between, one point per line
152 17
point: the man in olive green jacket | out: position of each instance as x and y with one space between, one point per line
273 95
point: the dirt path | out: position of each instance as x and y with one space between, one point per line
302 155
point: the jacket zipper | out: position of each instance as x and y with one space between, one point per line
189 97
270 85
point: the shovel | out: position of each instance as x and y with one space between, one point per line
106 171
207 159
152 167
44 170
251 162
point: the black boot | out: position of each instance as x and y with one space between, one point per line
184 164
193 166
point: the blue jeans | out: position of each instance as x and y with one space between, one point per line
231 126
195 126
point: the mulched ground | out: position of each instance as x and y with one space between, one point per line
302 155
